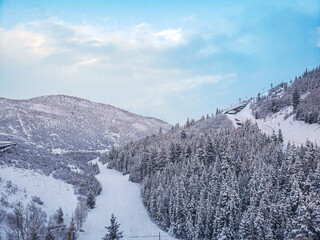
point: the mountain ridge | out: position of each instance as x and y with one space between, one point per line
80 99
54 120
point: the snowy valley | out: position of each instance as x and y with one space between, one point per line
54 138
250 172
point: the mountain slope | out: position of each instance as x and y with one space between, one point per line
293 131
210 180
293 108
70 123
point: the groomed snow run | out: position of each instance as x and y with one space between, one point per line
293 131
122 198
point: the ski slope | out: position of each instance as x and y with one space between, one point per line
293 131
121 197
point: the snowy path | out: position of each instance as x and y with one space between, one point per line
121 197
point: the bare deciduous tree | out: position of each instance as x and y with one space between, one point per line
80 214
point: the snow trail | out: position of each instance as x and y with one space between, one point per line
122 198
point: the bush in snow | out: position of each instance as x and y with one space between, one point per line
37 200
26 223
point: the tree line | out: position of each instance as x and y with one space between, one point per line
226 184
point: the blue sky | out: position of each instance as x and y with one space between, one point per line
168 59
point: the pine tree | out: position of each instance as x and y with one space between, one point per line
161 158
276 222
187 125
91 201
274 136
209 152
246 225
180 211
280 136
172 153
307 223
113 230
59 216
274 106
183 135
295 98
201 216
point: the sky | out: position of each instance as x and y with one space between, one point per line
166 59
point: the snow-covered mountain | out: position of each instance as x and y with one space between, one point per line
220 177
292 108
234 176
69 123
53 137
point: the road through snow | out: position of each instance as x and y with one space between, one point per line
121 197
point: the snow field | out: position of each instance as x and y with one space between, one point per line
53 193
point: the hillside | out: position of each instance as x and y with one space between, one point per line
46 145
292 108
250 172
292 130
236 176
63 123
302 95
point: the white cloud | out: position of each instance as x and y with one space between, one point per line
173 35
23 44
87 62
84 44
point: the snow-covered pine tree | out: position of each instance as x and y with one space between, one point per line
246 225
307 222
209 152
113 230
254 188
295 98
280 136
91 201
180 211
59 216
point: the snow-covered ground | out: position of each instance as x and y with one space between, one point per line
26 183
296 132
121 197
